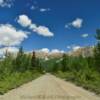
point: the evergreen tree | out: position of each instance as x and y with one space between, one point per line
19 60
64 63
55 67
33 61
97 50
39 65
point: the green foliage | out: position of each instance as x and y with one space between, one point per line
55 67
15 71
97 51
50 64
6 66
14 80
19 60
33 61
98 34
64 63
82 73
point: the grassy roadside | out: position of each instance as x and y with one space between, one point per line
91 85
15 80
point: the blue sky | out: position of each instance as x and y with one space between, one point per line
52 24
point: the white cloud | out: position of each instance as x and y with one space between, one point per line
44 9
77 23
6 3
24 21
62 51
76 48
57 51
68 47
33 26
45 50
10 36
12 49
85 35
8 49
36 7
1 1
44 31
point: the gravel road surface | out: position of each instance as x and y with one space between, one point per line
49 87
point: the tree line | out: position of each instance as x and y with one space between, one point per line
18 69
84 71
21 63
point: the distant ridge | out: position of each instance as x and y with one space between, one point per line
85 52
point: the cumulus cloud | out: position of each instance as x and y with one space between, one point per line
25 21
77 23
1 2
68 47
33 27
6 3
85 35
74 47
10 36
44 9
57 51
8 49
45 50
42 30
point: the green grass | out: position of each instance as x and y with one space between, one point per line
92 84
16 79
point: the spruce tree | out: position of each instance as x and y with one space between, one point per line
19 60
97 51
55 67
64 63
33 61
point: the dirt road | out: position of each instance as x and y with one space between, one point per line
48 87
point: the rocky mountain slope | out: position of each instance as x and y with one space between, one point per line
85 52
